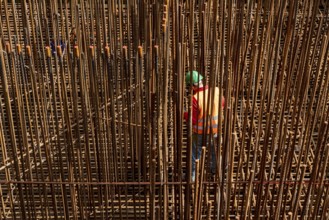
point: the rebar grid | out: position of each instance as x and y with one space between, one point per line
92 97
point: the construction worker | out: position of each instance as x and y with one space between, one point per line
204 122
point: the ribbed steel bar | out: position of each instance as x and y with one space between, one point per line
93 109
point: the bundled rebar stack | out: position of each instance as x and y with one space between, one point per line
92 98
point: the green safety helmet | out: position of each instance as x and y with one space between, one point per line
196 77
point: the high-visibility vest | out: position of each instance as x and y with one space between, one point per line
211 116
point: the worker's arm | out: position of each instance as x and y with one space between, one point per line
195 112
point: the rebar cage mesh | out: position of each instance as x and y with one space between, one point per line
92 97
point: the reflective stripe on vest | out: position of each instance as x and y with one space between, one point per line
198 128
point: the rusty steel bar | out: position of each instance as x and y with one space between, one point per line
96 117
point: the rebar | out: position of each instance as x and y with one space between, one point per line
92 102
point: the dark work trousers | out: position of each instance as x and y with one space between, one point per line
197 149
